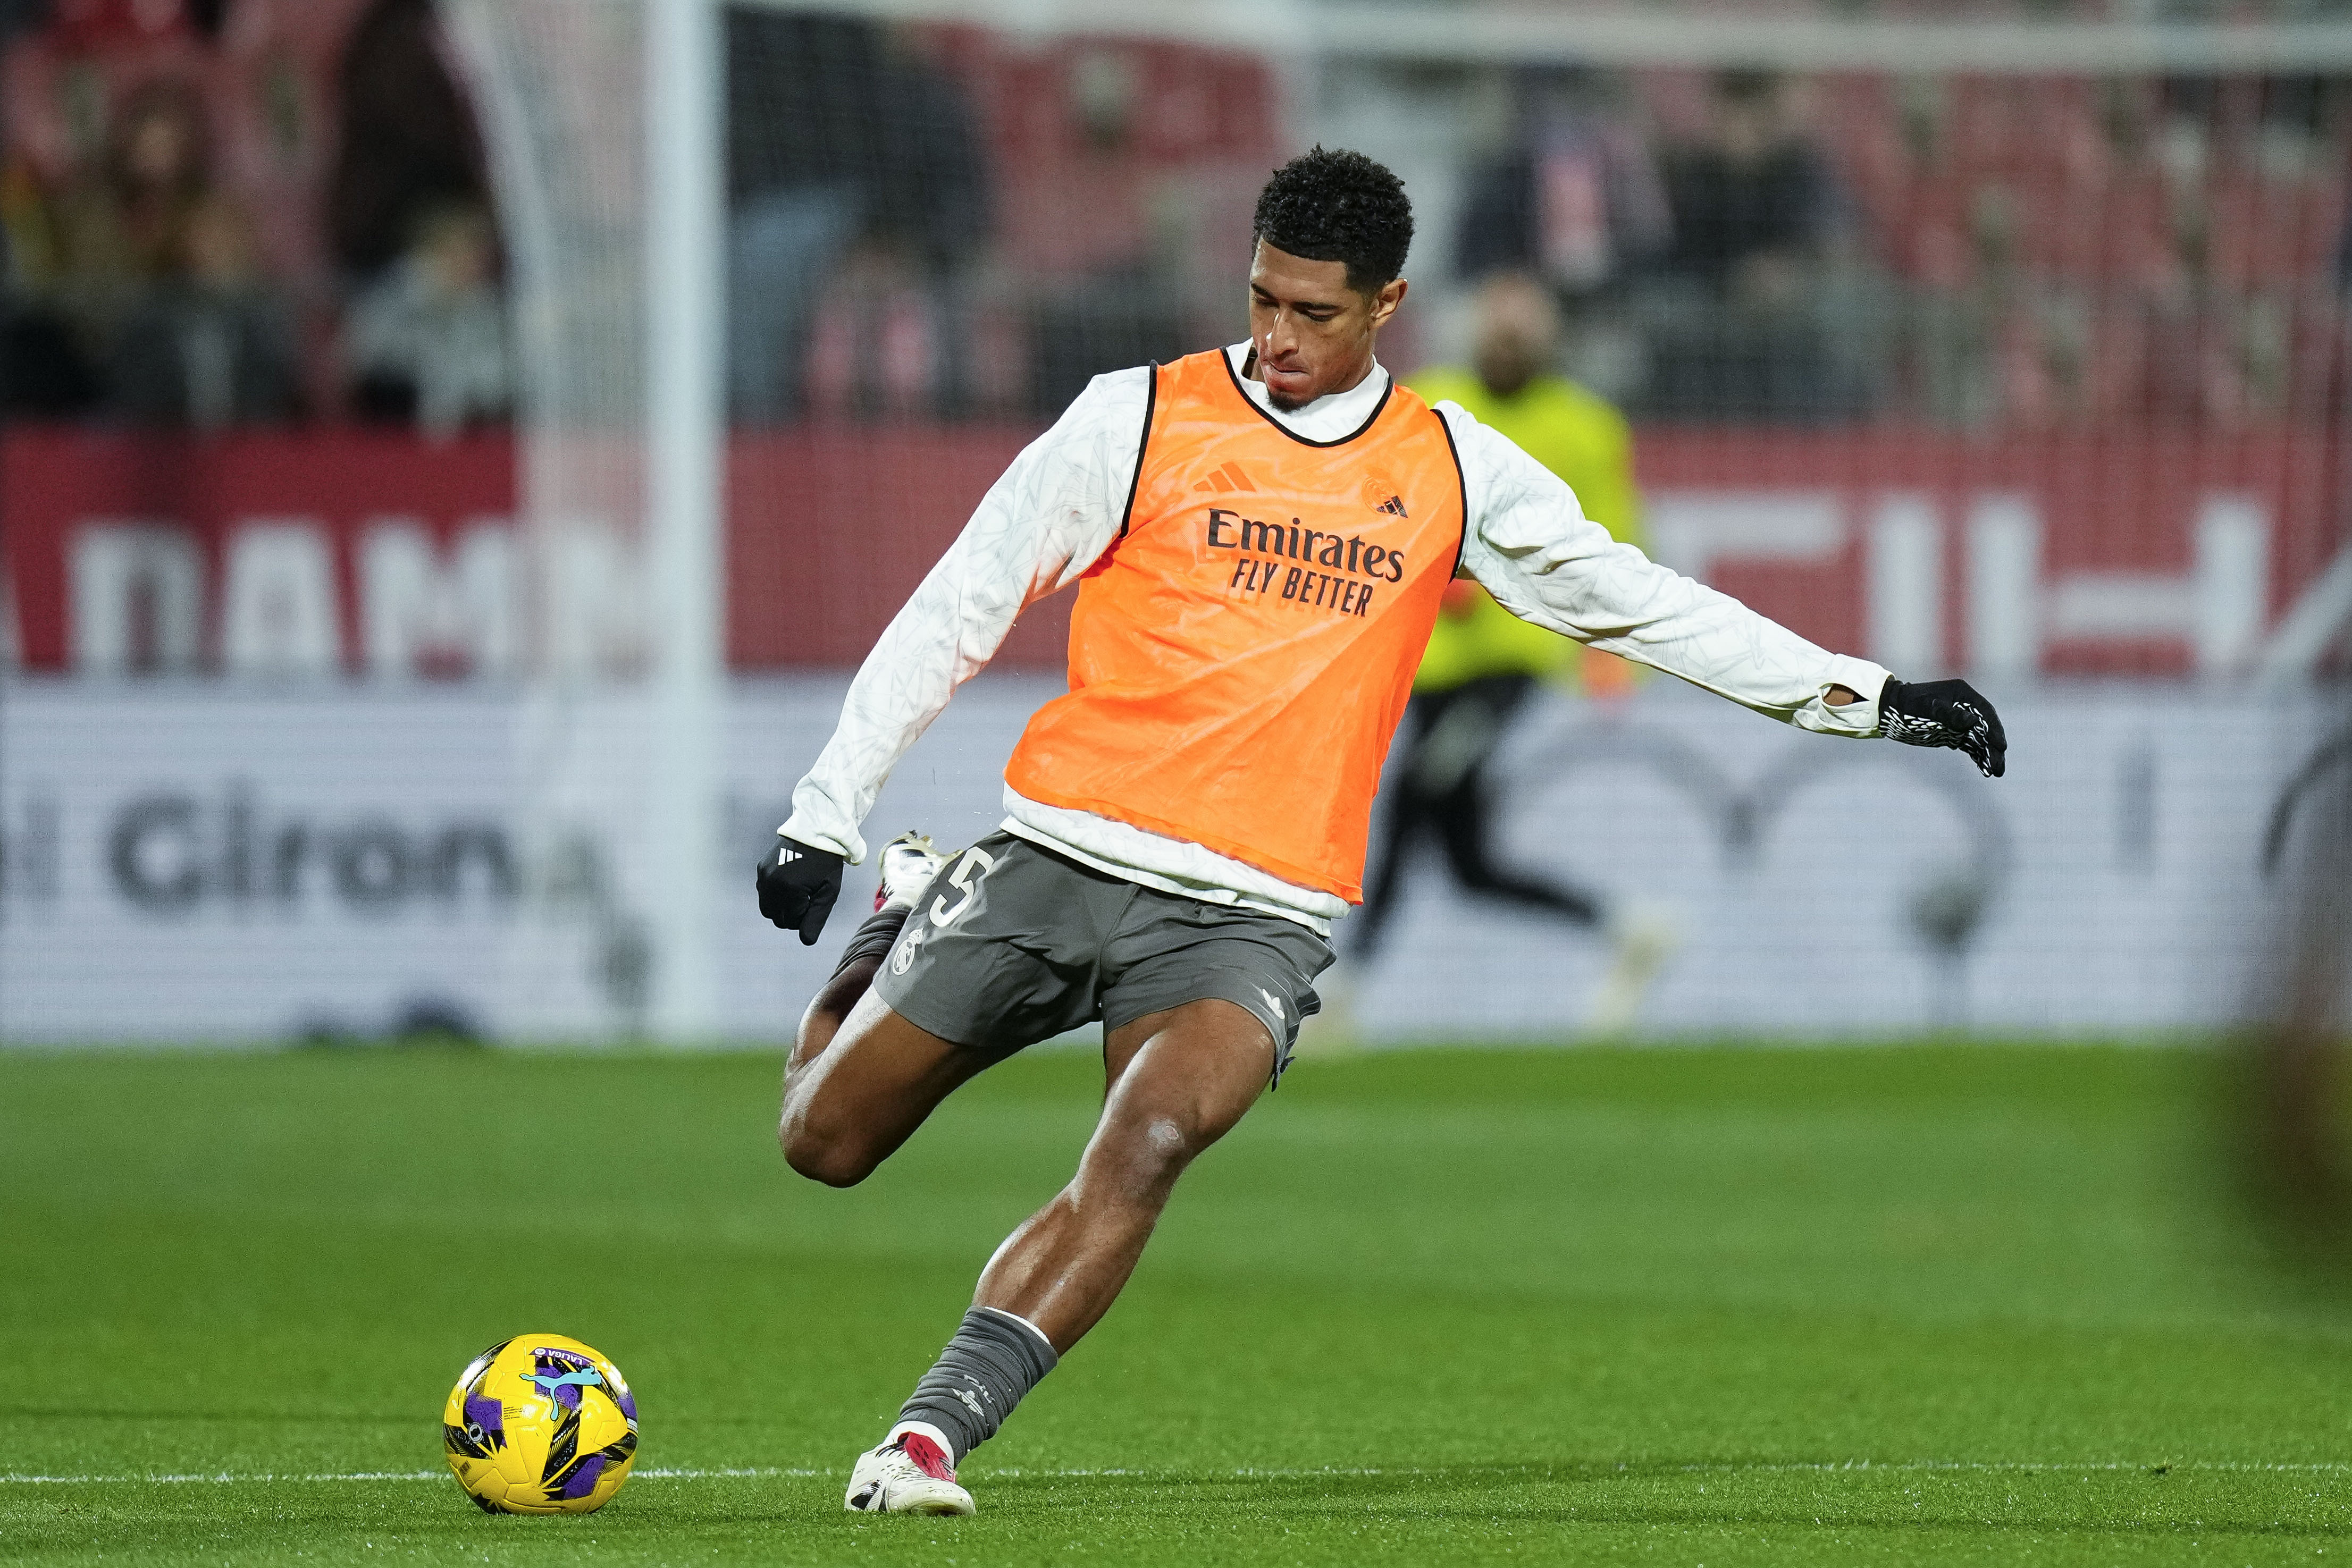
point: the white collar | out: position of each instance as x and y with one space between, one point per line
1334 417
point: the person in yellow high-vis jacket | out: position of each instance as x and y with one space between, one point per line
1483 661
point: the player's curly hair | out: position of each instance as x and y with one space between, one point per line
1339 206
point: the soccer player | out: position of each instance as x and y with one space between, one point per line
1482 662
1260 535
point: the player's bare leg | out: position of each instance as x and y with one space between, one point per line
1176 1081
908 863
830 1009
857 1087
861 1079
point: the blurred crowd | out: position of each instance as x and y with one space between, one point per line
1952 251
238 212
139 287
859 206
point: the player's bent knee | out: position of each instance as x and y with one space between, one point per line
831 1172
1143 1165
833 1159
1165 1146
831 1164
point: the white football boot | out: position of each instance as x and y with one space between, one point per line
907 1474
1642 937
908 863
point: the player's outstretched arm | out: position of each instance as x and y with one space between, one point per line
1047 518
1531 546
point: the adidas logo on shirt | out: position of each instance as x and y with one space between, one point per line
1228 480
1393 505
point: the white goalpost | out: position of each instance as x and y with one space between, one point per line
684 78
604 130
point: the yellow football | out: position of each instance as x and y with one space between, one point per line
540 1424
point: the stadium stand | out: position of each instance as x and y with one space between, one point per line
2066 271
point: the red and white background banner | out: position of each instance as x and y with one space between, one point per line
380 557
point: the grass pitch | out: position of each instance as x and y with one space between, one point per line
1683 1307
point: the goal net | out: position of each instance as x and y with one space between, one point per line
2014 349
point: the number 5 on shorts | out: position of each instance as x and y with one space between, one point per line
975 862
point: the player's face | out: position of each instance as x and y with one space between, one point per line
1313 333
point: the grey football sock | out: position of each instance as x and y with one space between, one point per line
993 1359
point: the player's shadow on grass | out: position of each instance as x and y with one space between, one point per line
1433 1492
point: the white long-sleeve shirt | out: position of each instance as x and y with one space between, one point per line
1058 508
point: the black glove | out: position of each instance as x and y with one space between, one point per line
1944 713
798 885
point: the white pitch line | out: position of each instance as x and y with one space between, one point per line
2028 1466
254 1477
2016 1466
1904 1467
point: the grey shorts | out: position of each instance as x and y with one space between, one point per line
1012 944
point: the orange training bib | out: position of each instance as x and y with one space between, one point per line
1241 655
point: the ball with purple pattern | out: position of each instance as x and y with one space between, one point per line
540 1424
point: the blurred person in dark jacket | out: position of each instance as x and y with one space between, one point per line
1574 199
1576 202
408 143
1737 303
839 142
45 370
1755 204
210 344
